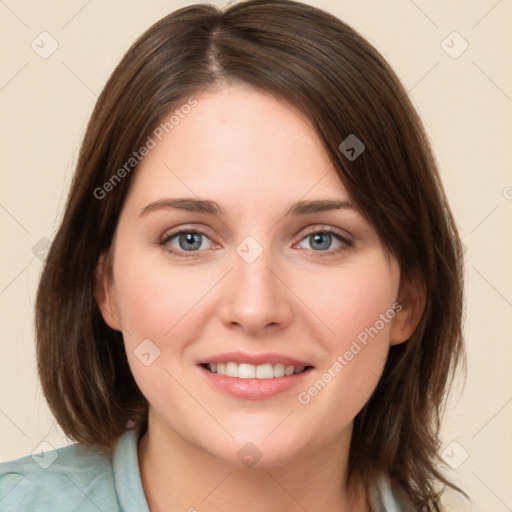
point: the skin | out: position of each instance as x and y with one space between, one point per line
254 155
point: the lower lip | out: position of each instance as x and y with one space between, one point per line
254 389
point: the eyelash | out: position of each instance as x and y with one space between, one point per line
347 244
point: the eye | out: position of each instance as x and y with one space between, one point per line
322 240
188 242
183 241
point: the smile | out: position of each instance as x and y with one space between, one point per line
251 371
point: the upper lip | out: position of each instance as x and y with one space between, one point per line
255 359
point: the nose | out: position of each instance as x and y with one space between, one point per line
256 298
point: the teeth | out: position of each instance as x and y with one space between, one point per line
288 370
232 370
250 371
264 371
246 371
279 370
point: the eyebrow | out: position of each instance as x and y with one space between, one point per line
211 207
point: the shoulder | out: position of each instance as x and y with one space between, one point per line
76 477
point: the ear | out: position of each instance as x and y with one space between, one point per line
408 311
105 292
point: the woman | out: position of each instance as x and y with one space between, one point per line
193 339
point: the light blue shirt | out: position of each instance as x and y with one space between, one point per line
84 478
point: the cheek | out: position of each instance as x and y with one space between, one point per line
357 307
352 299
153 302
166 305
152 298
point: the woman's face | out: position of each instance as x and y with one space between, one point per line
264 282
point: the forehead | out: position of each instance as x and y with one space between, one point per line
239 142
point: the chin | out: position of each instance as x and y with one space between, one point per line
266 448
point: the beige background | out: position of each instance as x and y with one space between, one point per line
466 105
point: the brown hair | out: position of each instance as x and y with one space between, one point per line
343 86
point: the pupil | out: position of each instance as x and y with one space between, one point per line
192 241
318 238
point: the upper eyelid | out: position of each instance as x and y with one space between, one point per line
171 233
327 228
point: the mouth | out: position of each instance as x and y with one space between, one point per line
251 371
254 376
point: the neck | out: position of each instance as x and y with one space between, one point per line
178 476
